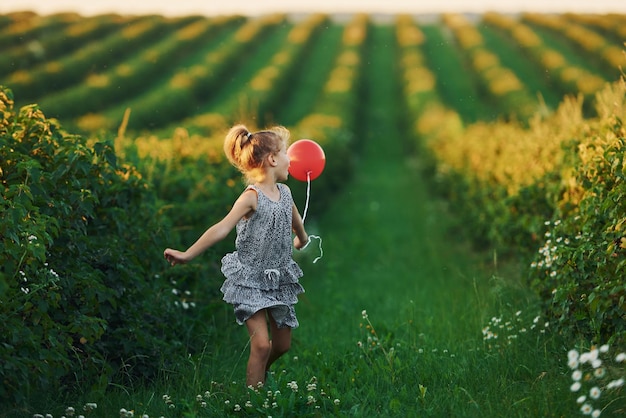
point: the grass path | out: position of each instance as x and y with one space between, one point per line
388 250
385 235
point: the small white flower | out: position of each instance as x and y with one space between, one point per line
586 409
581 399
577 375
336 401
595 392
596 413
604 348
615 383
575 387
621 357
293 385
572 354
364 314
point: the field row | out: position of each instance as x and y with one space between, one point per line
194 71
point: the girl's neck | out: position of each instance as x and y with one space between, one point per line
269 188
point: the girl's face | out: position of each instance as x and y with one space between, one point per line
282 164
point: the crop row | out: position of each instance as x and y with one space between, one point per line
23 56
21 28
178 96
101 89
593 43
262 94
56 74
497 81
613 26
568 78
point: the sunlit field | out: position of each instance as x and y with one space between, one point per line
471 211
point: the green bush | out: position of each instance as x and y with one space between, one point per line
580 269
568 218
81 298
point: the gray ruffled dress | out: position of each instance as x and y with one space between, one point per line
261 273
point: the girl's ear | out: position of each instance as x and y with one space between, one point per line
271 160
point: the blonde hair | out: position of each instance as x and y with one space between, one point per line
247 150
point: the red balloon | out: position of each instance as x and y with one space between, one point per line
307 158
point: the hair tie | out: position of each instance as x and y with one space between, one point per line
245 141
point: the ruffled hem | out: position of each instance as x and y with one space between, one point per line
235 294
268 279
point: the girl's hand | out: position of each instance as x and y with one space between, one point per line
300 244
175 257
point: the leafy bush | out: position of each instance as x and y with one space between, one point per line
580 269
564 172
82 239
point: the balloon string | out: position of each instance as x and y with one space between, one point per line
308 195
306 208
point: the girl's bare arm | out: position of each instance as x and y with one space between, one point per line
243 206
297 225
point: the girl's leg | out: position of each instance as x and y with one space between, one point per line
260 348
280 343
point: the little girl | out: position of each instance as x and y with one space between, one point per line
261 275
